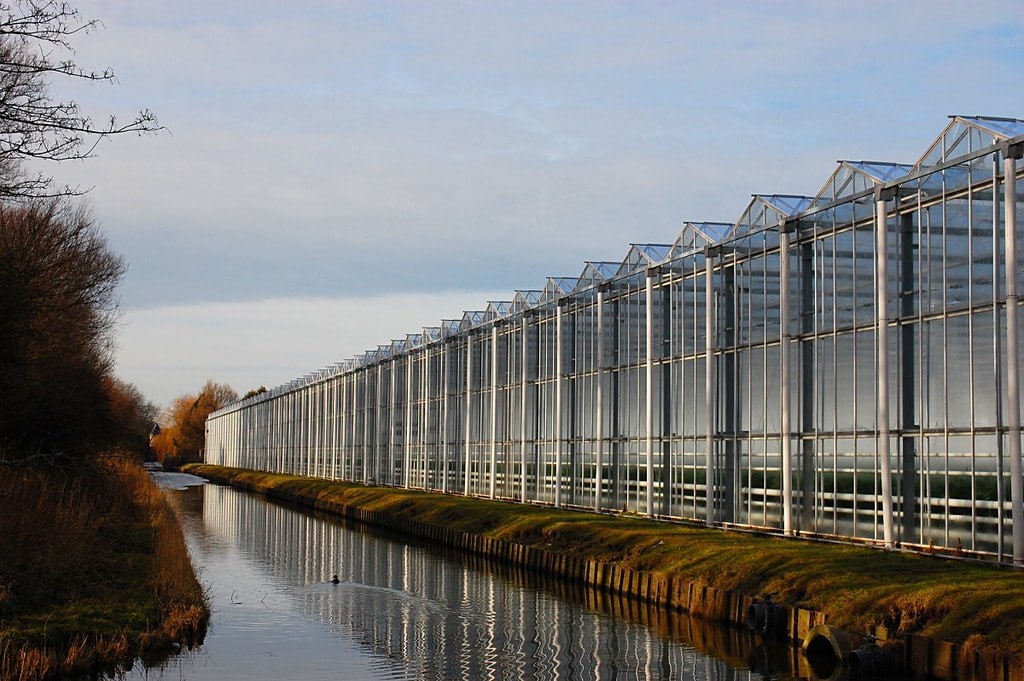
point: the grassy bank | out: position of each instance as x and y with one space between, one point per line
965 603
93 571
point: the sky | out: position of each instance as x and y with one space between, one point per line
334 175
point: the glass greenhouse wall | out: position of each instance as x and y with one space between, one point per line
840 364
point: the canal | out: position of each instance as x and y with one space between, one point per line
405 610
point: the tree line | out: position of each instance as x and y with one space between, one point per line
93 567
60 402
182 435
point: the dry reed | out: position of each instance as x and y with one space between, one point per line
93 571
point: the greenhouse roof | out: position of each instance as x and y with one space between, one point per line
852 177
525 299
766 210
641 256
496 309
558 287
696 235
1005 128
450 327
472 319
965 134
595 272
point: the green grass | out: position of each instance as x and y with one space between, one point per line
959 601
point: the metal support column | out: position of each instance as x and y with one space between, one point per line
332 432
469 408
784 392
997 359
313 452
347 418
407 426
559 340
649 388
353 393
363 467
599 406
809 387
909 398
494 409
349 436
344 419
882 358
728 403
378 449
445 362
1012 366
523 405
615 411
302 433
425 449
666 397
709 389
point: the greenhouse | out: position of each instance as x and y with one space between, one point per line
844 364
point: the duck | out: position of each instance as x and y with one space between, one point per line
335 580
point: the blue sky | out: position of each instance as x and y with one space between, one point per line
338 174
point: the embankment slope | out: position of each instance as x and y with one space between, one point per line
974 605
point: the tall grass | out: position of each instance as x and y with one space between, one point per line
46 531
93 571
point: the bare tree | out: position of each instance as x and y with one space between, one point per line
35 48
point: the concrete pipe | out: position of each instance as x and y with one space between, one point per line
826 649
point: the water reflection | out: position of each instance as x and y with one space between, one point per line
408 611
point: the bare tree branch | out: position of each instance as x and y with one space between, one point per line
35 47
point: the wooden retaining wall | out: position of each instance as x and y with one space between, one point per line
921 656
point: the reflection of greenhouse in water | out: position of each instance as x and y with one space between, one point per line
426 616
733 376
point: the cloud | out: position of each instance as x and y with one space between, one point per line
171 350
322 150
